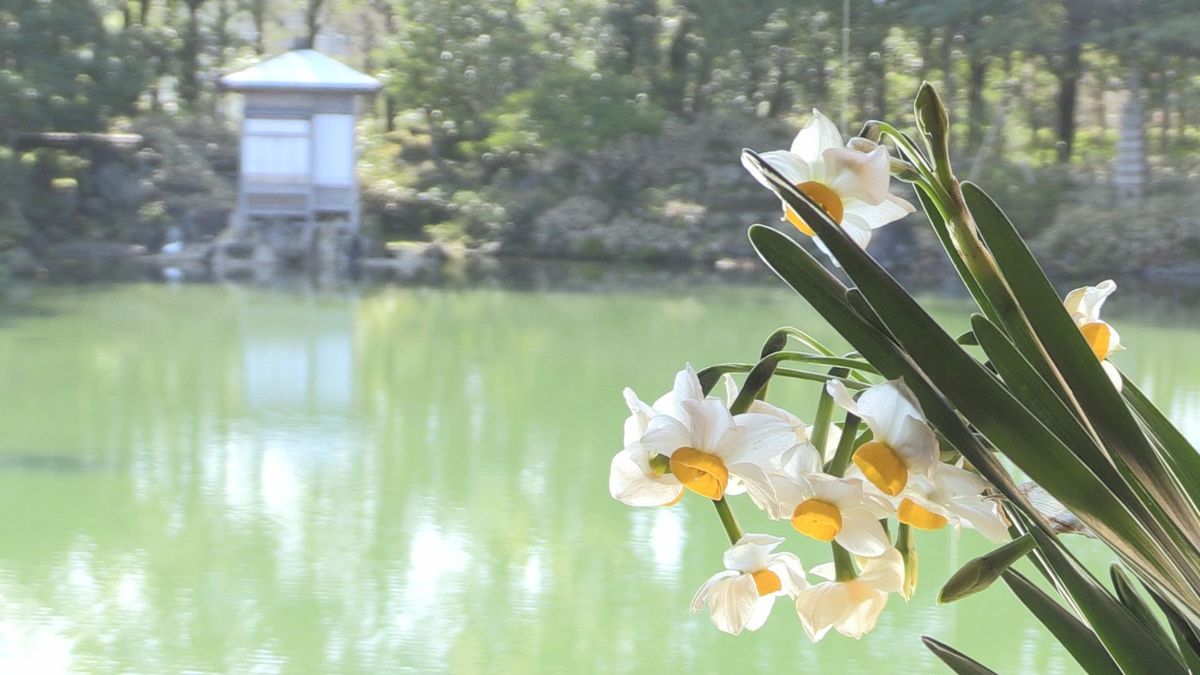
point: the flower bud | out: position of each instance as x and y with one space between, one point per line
903 170
871 131
981 572
932 119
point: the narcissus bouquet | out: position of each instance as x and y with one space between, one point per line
1020 429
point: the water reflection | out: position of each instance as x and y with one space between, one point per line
405 480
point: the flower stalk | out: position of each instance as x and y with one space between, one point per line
845 448
728 520
843 563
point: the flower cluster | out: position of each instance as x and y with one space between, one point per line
686 441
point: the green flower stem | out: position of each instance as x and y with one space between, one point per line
762 372
824 413
907 545
709 376
845 449
805 339
728 520
905 145
843 563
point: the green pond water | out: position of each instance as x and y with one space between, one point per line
240 479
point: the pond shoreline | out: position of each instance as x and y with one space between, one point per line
466 269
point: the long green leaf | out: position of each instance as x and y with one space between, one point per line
938 221
978 395
1135 647
1183 457
1127 595
1078 366
1183 629
1032 390
1074 635
955 660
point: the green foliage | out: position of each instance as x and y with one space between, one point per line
61 70
1096 236
574 110
455 62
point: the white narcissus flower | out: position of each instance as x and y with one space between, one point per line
741 597
1083 304
828 508
636 477
851 607
902 443
851 183
710 449
695 443
951 495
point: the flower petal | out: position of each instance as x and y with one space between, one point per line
885 572
790 572
884 407
733 604
706 588
857 229
710 424
629 484
824 570
1084 303
916 443
818 135
664 435
982 515
731 389
842 396
862 611
958 481
858 175
759 439
750 552
791 167
820 607
1114 375
876 216
862 534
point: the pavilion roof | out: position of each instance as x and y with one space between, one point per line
301 69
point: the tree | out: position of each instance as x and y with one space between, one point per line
189 62
61 70
455 62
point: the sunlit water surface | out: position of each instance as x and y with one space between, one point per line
235 479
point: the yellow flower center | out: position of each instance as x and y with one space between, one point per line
882 466
818 519
825 197
918 516
700 472
767 582
1098 335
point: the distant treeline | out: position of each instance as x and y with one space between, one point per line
568 73
479 88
